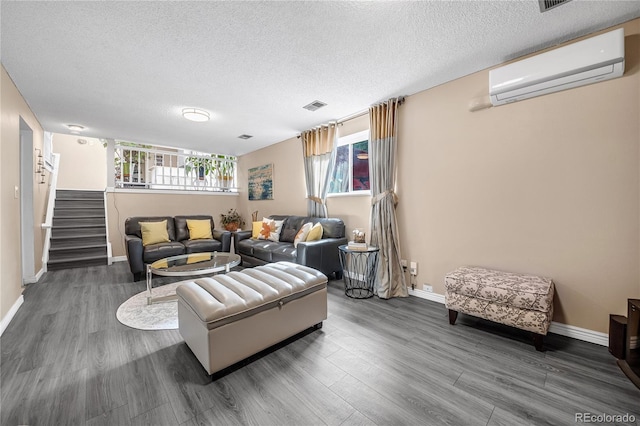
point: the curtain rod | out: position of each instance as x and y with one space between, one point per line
359 114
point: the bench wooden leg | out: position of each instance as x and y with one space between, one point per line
538 341
453 315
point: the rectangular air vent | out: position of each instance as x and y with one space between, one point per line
245 136
550 4
314 105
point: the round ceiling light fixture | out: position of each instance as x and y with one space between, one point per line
195 114
75 128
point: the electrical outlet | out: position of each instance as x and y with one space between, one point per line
16 192
413 270
427 288
403 262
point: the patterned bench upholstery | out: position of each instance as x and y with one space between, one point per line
518 300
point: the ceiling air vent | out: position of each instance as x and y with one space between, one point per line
314 105
245 136
550 4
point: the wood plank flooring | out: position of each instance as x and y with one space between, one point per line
66 360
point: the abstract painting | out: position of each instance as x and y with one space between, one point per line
261 182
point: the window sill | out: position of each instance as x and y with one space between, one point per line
350 194
170 191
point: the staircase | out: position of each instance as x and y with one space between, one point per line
78 232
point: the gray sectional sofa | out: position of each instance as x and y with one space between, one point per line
321 255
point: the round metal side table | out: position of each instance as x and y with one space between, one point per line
359 269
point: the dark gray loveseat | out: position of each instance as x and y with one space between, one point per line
139 255
321 255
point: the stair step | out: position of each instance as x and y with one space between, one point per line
71 254
79 262
67 193
78 247
77 236
78 211
78 230
79 204
78 220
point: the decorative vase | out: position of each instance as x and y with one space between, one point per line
233 226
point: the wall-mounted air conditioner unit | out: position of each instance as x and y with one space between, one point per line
588 61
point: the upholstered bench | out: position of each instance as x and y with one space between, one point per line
227 318
517 300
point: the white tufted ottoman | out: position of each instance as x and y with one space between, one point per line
227 318
517 300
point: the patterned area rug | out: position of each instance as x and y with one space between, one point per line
136 313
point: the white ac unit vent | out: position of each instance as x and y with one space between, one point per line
314 105
550 4
588 61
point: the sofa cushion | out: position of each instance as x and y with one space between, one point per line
290 227
155 252
154 232
284 252
201 246
331 227
302 234
315 233
270 229
263 250
132 225
199 229
181 228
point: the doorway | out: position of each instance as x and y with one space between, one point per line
26 202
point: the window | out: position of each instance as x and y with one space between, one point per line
351 170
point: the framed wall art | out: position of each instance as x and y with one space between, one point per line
261 182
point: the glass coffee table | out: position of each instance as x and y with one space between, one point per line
188 265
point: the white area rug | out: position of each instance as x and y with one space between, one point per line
136 313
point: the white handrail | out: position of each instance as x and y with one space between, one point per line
48 221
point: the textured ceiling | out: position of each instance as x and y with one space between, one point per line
125 70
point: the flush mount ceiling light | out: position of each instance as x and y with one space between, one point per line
195 114
75 128
363 156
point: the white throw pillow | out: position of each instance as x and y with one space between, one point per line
270 229
302 233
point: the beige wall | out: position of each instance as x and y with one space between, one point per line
289 189
122 205
12 107
81 166
548 186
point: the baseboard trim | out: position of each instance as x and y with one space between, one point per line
579 333
434 297
571 331
35 278
118 259
12 312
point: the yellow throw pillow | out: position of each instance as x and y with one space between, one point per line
199 229
316 233
154 232
302 233
198 257
257 227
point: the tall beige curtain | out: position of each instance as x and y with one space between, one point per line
319 150
383 120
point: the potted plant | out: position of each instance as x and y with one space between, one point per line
203 165
231 220
224 170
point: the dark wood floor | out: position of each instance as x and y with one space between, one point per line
67 360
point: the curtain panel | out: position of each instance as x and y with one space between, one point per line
383 119
319 150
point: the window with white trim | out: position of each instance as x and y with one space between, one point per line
351 169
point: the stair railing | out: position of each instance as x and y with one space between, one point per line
48 221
